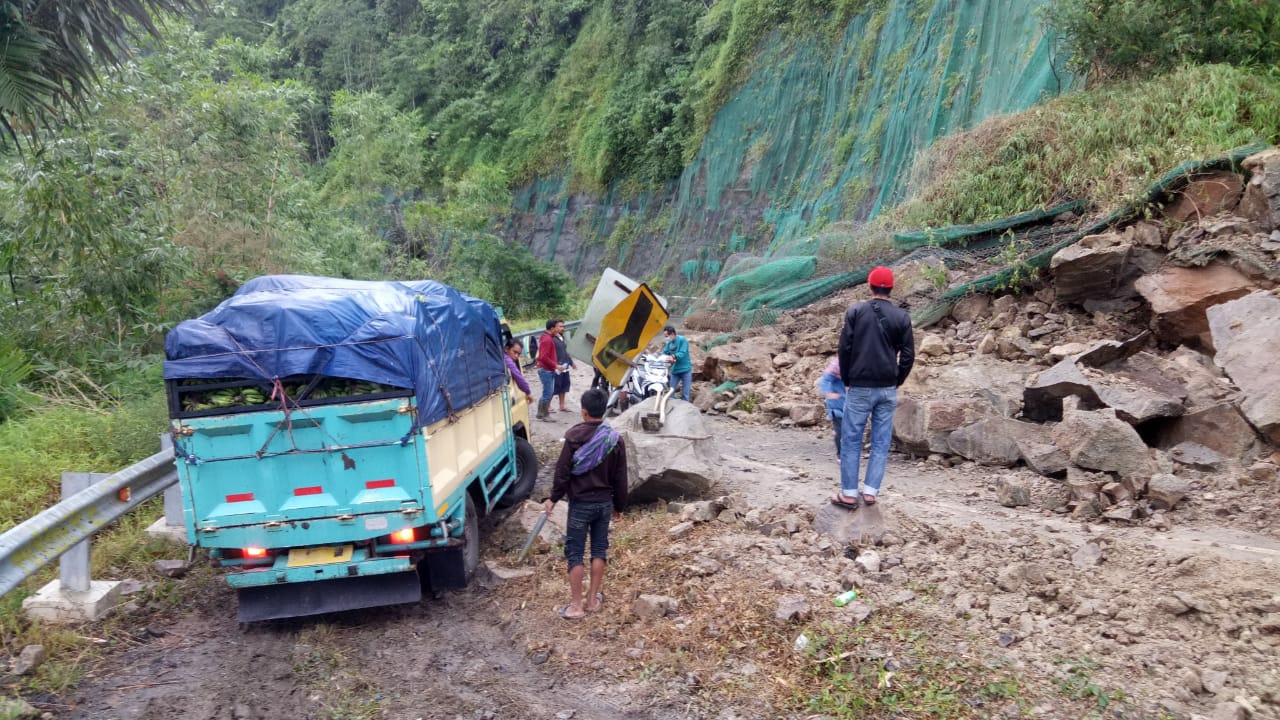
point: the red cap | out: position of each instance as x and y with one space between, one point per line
880 276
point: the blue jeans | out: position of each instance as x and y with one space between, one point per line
587 518
835 411
684 379
548 379
861 403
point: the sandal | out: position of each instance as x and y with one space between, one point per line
868 499
599 603
839 501
563 613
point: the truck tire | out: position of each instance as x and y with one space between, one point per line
526 475
470 540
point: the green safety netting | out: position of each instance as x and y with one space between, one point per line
1040 259
819 132
967 234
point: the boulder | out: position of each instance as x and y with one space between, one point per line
924 426
988 441
1164 491
932 346
1193 454
1096 266
1180 296
849 527
1042 399
680 460
1246 333
1261 201
808 414
653 606
1011 494
1206 195
742 362
971 307
1098 440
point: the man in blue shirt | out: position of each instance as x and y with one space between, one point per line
677 349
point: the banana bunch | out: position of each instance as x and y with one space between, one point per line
225 398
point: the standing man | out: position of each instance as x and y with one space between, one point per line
677 348
877 350
592 473
563 362
548 364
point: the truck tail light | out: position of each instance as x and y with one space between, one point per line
255 552
401 537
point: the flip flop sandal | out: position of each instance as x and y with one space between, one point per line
563 616
868 499
599 603
835 500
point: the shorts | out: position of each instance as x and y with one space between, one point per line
587 519
562 383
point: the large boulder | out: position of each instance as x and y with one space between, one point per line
1246 333
1179 297
1096 266
923 426
1261 201
680 460
742 362
1098 440
989 441
1219 427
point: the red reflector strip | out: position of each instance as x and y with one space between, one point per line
313 490
375 484
240 497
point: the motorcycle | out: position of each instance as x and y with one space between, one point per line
648 376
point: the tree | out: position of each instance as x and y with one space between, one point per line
50 51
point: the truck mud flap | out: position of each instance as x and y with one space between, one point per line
273 602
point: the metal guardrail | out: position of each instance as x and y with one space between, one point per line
38 541
521 337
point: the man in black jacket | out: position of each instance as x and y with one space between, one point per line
877 350
592 473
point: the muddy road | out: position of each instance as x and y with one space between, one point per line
1167 621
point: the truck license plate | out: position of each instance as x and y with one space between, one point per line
303 557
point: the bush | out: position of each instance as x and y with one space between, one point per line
1139 37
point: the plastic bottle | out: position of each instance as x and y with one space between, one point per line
846 597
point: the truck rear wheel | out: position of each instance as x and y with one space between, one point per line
526 475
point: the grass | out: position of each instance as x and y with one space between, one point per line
1106 144
34 451
342 689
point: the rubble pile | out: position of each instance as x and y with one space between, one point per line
1134 372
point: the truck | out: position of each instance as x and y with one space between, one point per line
337 441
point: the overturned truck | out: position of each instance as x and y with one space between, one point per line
338 440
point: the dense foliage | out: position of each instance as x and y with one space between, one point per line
52 52
1140 37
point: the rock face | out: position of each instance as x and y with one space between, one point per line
1261 201
679 461
1179 297
1246 333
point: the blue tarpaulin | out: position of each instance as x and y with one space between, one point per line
444 345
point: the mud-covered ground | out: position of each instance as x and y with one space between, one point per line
1167 623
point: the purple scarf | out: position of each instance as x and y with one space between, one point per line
593 451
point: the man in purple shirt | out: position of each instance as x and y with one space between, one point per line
512 352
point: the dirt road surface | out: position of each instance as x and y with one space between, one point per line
1167 621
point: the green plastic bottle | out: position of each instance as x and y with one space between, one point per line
846 597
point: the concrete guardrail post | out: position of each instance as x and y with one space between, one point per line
74 596
172 524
